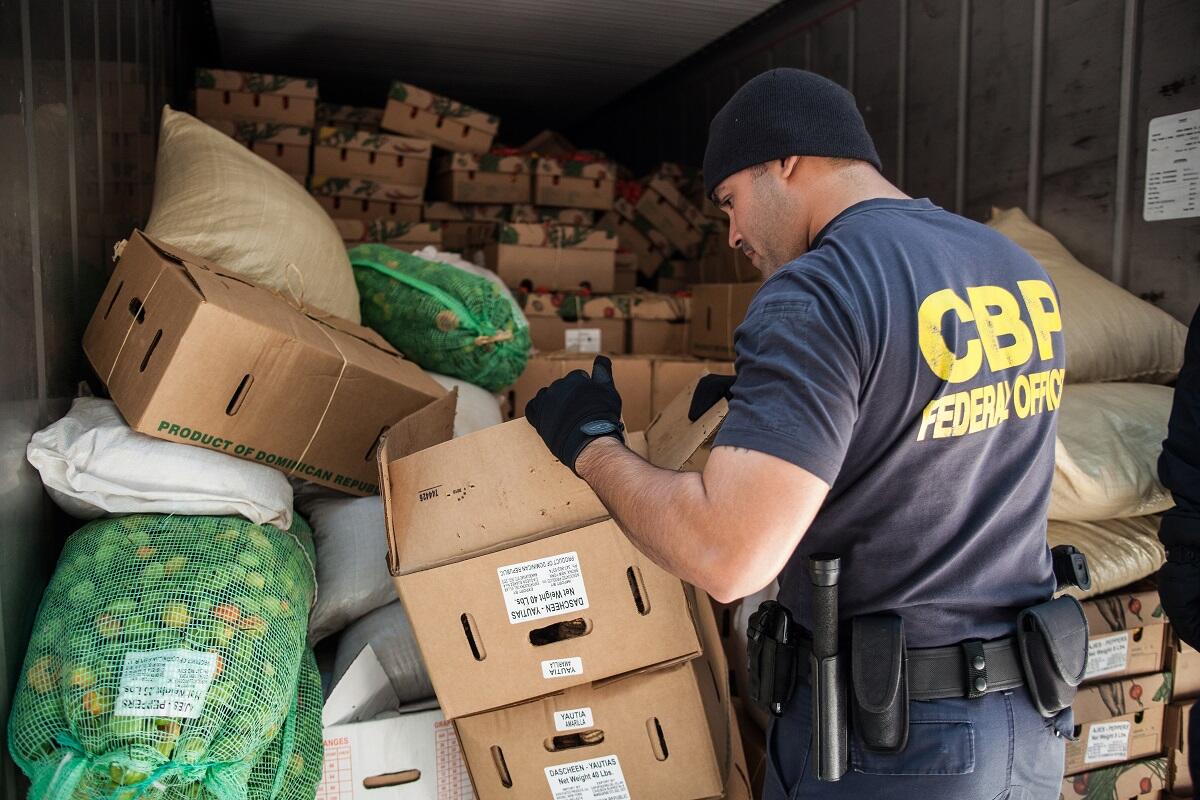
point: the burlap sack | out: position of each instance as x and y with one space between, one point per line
1110 334
216 199
1119 551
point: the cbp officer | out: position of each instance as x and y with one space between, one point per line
898 373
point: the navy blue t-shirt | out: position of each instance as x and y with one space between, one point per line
913 360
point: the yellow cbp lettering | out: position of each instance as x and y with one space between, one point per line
1042 304
941 359
1006 321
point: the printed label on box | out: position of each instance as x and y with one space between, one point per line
562 667
573 720
165 683
582 340
593 779
1107 654
544 587
1108 741
1173 167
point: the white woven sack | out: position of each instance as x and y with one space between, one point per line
93 465
1106 455
391 636
216 199
1110 334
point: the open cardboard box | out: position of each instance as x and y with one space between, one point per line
486 178
447 123
554 256
285 146
366 199
632 377
194 354
574 183
663 732
255 97
500 487
352 153
375 750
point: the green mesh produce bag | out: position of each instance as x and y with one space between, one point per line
303 752
443 318
164 658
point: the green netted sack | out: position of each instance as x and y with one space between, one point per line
303 753
164 658
443 318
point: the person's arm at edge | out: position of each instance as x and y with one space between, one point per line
728 530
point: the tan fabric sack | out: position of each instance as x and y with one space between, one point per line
1110 334
1106 455
1119 551
216 199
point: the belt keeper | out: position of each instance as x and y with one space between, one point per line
975 661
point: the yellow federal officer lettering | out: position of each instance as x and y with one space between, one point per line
1046 320
1005 321
941 359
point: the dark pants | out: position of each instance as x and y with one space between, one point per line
995 748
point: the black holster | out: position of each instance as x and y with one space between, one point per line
879 681
1052 638
773 651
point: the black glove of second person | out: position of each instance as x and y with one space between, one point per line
1179 590
575 409
709 391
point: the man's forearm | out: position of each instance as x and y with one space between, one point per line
662 512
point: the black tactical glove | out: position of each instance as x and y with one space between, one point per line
575 409
1179 590
709 392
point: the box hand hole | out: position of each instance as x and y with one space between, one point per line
472 633
370 157
225 98
113 302
440 121
150 350
658 742
568 741
708 318
641 600
501 767
257 100
392 779
239 395
137 310
343 154
560 631
375 444
279 151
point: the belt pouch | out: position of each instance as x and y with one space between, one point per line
1052 638
879 672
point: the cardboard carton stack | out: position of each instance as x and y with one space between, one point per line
273 115
1184 662
564 657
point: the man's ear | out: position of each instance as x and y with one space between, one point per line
788 165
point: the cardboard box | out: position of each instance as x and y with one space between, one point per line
1177 728
441 211
717 310
663 732
632 376
1120 782
1185 666
487 178
365 199
554 257
525 212
549 143
673 375
399 754
658 337
352 153
1119 739
672 215
637 235
537 618
1102 701
194 354
754 744
552 304
447 123
625 275
255 97
364 119
467 237
500 487
1139 651
407 236
1136 607
285 146
674 442
739 785
551 334
574 182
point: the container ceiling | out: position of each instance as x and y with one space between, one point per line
535 63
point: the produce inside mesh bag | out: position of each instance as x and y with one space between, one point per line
290 768
164 658
445 319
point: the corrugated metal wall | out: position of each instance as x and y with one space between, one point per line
78 84
1042 104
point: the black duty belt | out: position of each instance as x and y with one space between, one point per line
968 669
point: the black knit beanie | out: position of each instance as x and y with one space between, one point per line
784 112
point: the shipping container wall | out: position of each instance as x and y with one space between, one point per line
1042 104
80 82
